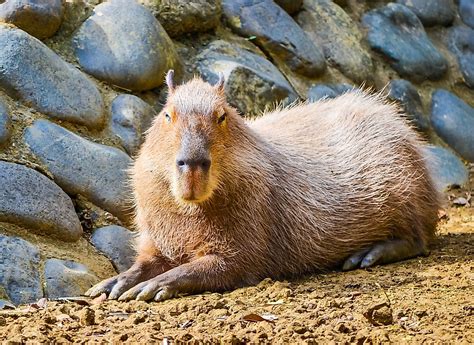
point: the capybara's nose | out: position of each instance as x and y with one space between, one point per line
187 163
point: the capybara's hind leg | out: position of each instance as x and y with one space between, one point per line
384 253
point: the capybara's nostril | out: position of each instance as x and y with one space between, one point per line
180 163
203 163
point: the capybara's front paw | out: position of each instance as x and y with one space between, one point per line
153 289
104 286
114 287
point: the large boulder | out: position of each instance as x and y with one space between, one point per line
446 168
461 43
432 12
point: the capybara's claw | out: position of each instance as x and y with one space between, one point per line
104 286
151 289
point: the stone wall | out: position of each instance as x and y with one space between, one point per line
80 82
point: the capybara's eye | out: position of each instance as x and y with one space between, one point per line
221 118
168 117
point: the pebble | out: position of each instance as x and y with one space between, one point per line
396 32
39 18
332 29
179 17
320 91
32 200
117 243
5 126
461 43
290 6
36 75
19 270
432 12
453 121
446 168
276 33
123 44
131 117
407 96
243 71
79 166
67 278
86 316
466 10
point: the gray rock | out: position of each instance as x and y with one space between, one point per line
39 18
184 16
244 71
446 168
290 6
320 91
67 278
123 44
19 270
4 124
432 12
397 33
453 120
35 74
131 117
79 166
30 199
405 93
461 43
276 33
466 10
117 243
332 29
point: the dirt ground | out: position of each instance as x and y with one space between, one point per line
424 300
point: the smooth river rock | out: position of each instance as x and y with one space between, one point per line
466 10
320 91
117 243
131 117
432 12
79 166
276 33
461 43
19 270
39 18
332 29
123 44
397 33
446 168
33 73
4 124
185 16
243 71
453 121
30 199
406 94
66 278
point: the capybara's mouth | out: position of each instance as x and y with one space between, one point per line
192 190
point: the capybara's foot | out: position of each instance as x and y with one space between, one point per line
383 253
153 289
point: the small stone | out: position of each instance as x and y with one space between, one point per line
4 124
276 33
332 29
243 71
446 168
19 270
405 93
30 199
79 166
397 33
87 316
39 18
453 121
67 278
290 6
123 44
131 117
117 243
184 16
461 43
36 75
466 10
320 91
379 314
432 12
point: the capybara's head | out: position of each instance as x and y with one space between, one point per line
191 135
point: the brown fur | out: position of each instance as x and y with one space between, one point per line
297 190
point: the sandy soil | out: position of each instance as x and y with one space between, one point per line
424 300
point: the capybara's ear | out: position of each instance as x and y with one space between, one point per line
169 80
220 84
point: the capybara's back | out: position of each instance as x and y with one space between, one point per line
222 203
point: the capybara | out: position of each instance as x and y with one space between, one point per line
223 202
